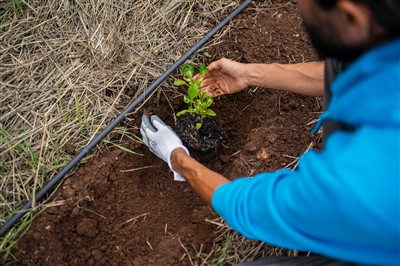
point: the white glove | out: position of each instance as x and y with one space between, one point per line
161 140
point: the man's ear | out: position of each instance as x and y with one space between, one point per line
354 23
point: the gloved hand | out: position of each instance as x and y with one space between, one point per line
161 140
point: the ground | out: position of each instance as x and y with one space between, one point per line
125 209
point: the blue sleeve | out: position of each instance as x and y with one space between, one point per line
342 202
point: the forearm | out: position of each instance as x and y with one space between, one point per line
203 181
302 78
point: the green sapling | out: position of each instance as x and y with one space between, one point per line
198 102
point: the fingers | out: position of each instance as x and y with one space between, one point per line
211 70
207 81
211 83
146 124
157 122
154 124
213 86
213 90
216 64
216 93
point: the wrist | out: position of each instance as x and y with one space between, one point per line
268 76
176 158
253 75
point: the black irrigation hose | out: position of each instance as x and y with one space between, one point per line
53 182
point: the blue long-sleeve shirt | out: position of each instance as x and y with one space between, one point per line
342 202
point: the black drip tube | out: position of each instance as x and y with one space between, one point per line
56 179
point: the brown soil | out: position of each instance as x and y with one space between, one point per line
123 209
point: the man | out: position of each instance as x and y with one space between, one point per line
342 202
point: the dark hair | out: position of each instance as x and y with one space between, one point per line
386 13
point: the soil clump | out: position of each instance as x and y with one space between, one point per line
205 139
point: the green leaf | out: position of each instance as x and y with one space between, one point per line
203 69
186 99
121 147
210 112
198 126
206 93
193 110
203 96
182 112
193 91
179 82
209 102
199 81
206 54
188 70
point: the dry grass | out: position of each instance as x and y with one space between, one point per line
232 248
68 67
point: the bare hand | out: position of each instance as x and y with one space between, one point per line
224 77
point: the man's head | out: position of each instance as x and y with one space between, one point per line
345 29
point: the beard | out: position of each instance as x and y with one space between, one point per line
329 47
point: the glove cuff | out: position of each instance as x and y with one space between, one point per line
177 176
